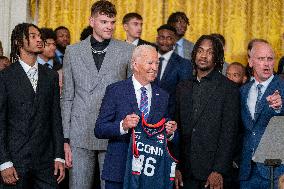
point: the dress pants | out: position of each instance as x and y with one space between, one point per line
82 174
30 178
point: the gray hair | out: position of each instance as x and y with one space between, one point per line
141 51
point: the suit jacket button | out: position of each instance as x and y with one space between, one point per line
193 130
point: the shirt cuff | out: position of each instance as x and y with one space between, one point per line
122 131
170 137
60 160
278 110
6 165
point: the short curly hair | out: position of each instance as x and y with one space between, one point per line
103 7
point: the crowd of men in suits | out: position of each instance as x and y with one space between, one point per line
74 107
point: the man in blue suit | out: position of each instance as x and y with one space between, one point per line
172 68
260 100
120 112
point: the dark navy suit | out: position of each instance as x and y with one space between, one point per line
178 69
118 102
254 130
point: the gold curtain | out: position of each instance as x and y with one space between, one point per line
238 20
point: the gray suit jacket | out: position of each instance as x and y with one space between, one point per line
84 88
187 49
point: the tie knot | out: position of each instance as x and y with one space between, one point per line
259 86
161 59
143 89
32 71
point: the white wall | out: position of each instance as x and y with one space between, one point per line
12 12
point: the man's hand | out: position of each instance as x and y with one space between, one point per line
59 166
68 155
10 176
178 179
274 100
130 121
171 127
215 181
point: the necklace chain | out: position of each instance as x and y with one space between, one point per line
99 52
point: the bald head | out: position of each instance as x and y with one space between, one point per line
144 64
262 60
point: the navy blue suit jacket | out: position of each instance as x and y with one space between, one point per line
178 69
118 102
254 129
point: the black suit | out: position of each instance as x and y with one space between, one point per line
31 135
208 133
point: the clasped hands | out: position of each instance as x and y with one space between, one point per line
131 121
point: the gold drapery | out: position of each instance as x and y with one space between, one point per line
238 20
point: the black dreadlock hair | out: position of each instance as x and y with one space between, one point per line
20 32
218 51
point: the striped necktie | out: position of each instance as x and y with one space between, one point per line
144 103
257 104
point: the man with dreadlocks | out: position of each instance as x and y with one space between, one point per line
207 112
31 136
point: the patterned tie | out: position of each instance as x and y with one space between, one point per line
257 104
32 75
144 103
161 59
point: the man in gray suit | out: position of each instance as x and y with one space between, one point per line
180 21
90 66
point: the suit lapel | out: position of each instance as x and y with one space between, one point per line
24 82
131 96
244 104
87 56
155 101
107 63
269 91
169 67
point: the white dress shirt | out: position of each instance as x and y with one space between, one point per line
26 68
252 95
166 57
135 42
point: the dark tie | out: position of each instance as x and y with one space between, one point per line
47 65
161 59
144 103
257 104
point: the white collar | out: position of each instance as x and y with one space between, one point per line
167 55
27 67
180 42
265 83
135 42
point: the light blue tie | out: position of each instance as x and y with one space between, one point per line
144 103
